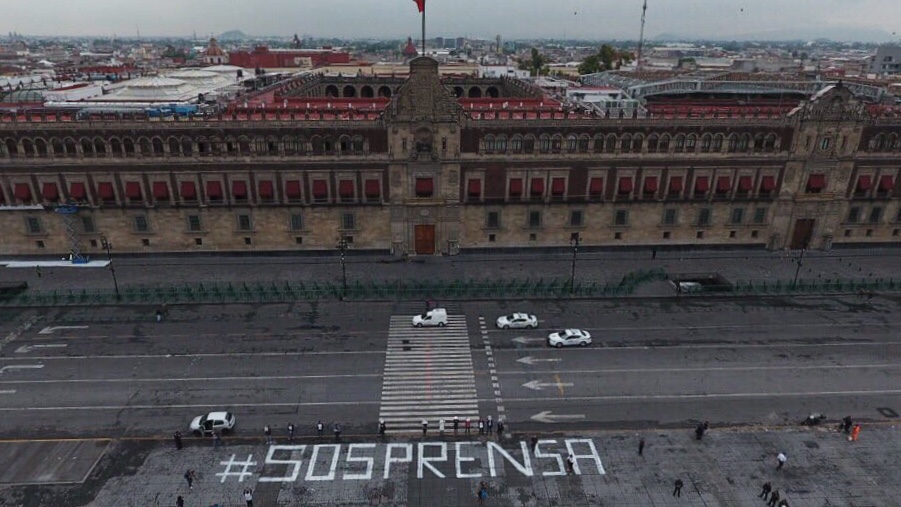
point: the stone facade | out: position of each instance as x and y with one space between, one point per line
426 176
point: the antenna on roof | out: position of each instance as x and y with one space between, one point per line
644 9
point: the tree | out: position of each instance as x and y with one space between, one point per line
590 65
536 64
607 58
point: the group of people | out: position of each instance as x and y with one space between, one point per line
771 496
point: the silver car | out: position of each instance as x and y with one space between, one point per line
517 321
569 337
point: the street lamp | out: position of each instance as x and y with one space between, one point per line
798 269
574 241
109 246
342 247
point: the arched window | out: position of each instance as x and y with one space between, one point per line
556 143
528 144
610 144
706 141
890 144
27 147
598 142
733 143
744 142
877 143
203 146
625 143
87 148
174 147
317 145
717 143
544 144
653 141
572 143
516 144
769 144
344 144
679 143
40 147
328 144
501 144
350 91
145 146
358 144
289 145
691 143
489 144
663 147
272 148
584 142
12 148
637 143
71 149
758 142
301 145
187 146
99 147
157 144
57 146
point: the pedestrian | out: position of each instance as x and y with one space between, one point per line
177 438
641 447
383 428
179 502
441 426
571 464
290 432
699 431
468 425
248 497
38 270
337 430
678 488
456 424
189 477
774 498
500 429
268 432
653 253
425 427
320 428
781 458
846 424
490 425
855 432
783 503
765 492
534 442
482 493
706 426
159 315
217 438
481 426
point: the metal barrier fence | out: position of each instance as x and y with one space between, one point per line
862 287
309 291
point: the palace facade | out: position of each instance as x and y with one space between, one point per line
434 165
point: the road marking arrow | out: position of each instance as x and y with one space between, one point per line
548 417
50 329
536 385
21 367
524 340
532 360
24 349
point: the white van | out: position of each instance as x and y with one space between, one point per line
436 317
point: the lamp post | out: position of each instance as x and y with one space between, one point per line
109 246
798 269
342 247
574 241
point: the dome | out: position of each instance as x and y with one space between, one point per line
213 49
23 97
410 48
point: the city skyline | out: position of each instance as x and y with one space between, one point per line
575 19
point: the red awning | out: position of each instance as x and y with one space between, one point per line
23 192
558 186
188 190
424 186
266 189
864 183
702 184
373 189
77 191
239 189
50 191
723 184
675 184
515 187
214 190
537 187
346 188
596 186
293 189
475 188
650 184
745 184
105 191
160 190
320 189
816 182
133 190
886 184
625 185
768 184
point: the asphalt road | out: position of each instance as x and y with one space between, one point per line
115 372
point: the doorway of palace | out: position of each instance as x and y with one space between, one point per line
803 234
425 240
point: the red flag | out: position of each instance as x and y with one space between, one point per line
420 4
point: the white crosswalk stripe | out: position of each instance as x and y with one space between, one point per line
428 375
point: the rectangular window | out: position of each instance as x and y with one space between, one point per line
854 215
141 224
244 223
621 217
403 145
87 224
424 187
348 221
704 216
576 217
759 215
738 215
875 215
33 225
194 224
493 220
669 217
296 222
534 219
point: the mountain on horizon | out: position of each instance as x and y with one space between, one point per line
834 33
232 35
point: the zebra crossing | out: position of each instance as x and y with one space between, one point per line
428 375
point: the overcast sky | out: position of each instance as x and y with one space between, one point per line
596 19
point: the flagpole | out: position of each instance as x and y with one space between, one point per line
423 29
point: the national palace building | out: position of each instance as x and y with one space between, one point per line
428 164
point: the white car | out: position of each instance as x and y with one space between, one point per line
517 320
434 317
569 337
224 422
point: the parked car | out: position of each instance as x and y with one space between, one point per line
517 321
207 424
434 317
569 337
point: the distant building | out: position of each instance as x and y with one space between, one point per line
266 58
887 61
214 55
409 50
496 71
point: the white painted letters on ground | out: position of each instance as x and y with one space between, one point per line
458 450
390 459
425 461
576 456
541 454
330 476
524 468
362 459
295 468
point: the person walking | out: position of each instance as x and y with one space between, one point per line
268 432
534 442
179 502
468 425
337 430
456 424
855 432
290 432
699 431
500 429
189 477
383 428
217 438
441 426
846 424
774 498
765 491
678 488
641 447
482 493
425 428
320 428
481 426
177 438
159 315
781 459
490 425
248 497
570 464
